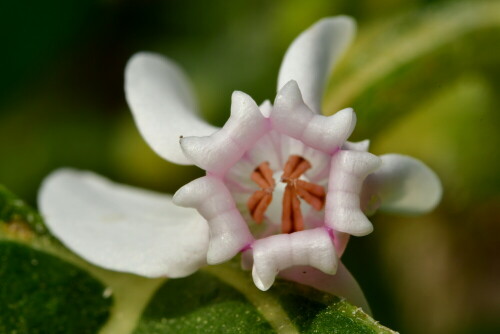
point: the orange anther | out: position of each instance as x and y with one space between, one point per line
300 169
259 201
291 164
254 200
291 216
258 178
314 201
312 188
258 214
298 221
267 172
286 214
313 194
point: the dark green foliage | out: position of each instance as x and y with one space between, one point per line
314 312
200 303
13 209
340 318
302 310
42 294
203 303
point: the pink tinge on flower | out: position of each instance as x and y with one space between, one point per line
228 230
283 186
348 171
268 182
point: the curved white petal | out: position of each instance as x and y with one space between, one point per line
229 233
293 117
403 184
341 284
265 108
220 151
343 204
281 251
123 228
162 104
310 58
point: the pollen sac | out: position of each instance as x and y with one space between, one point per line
260 200
291 216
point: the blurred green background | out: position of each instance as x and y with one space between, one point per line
423 76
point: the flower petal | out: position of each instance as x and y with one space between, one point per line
123 228
293 117
218 152
362 146
265 108
229 233
343 205
310 58
281 251
340 240
341 284
163 104
403 184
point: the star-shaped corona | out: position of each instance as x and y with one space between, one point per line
279 187
283 186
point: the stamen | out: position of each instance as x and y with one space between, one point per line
258 178
286 215
258 214
300 169
263 176
313 194
290 165
254 200
314 201
298 221
312 188
291 216
267 172
260 200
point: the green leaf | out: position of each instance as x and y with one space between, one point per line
40 293
223 299
15 211
200 303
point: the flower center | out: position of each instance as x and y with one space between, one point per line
291 217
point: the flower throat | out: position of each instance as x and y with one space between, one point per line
291 217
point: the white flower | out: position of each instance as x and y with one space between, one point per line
283 186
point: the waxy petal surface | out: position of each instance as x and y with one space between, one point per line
281 251
362 146
123 228
403 184
265 108
341 284
163 105
218 152
229 233
343 206
291 116
310 58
